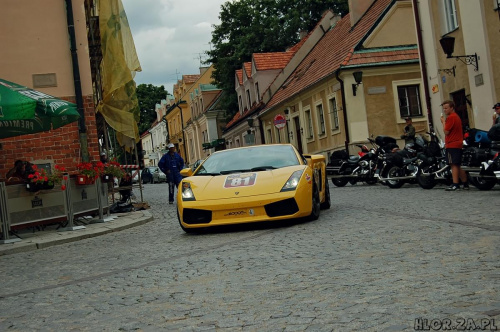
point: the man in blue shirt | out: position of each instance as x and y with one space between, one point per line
171 164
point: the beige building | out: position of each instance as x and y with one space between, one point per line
472 80
327 107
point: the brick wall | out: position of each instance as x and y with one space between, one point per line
60 146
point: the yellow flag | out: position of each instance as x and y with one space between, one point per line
119 104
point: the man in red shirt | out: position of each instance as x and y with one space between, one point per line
454 138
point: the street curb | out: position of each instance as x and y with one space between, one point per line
45 239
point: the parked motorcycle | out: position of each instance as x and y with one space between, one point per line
399 167
433 167
344 169
478 148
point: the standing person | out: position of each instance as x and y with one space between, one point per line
496 116
452 127
171 164
409 131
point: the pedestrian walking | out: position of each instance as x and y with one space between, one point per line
171 164
409 131
452 127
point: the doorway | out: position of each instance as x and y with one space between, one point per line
460 101
296 123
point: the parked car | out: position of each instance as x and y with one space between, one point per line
153 174
258 183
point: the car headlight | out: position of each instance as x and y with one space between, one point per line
293 181
187 193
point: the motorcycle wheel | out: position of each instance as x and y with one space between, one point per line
394 171
339 182
481 183
426 182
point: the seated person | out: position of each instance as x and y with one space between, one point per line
18 172
126 181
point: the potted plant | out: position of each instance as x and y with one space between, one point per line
88 172
112 170
57 175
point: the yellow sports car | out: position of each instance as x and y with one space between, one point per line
250 184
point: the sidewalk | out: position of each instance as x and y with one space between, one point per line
51 236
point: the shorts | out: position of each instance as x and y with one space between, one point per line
454 156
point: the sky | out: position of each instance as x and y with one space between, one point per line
170 36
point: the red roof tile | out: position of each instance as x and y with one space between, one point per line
248 68
382 56
272 60
190 78
239 74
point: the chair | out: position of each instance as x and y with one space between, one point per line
126 188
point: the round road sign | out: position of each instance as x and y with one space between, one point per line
279 121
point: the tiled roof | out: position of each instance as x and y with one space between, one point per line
272 60
239 74
215 102
382 56
190 78
329 53
248 68
239 116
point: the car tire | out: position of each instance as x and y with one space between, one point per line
327 203
316 204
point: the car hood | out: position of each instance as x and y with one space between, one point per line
242 184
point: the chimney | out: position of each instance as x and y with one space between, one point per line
357 8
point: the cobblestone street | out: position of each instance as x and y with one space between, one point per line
379 259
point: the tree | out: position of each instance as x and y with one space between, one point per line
257 26
148 96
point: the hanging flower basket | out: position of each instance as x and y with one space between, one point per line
82 179
105 178
34 186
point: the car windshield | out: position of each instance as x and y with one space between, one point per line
259 158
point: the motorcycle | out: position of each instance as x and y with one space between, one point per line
344 168
433 167
478 149
399 167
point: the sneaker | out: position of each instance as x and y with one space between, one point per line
170 202
465 186
453 187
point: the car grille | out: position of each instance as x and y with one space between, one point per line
282 208
196 216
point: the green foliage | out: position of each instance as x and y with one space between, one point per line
257 26
148 96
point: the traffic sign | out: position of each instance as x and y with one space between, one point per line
279 121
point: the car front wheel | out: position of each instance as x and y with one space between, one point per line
316 204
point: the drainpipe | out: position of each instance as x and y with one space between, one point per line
77 82
344 110
422 63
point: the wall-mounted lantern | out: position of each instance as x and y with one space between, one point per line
448 46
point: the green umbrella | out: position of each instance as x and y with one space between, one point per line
27 111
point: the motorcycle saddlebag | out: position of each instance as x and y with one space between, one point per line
494 133
394 158
473 156
337 157
382 140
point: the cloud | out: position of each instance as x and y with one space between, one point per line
170 36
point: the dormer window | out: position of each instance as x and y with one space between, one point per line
257 92
248 98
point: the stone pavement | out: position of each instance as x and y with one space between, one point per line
54 235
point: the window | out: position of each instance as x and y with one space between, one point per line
321 119
248 99
257 92
269 136
334 113
309 124
409 100
450 13
241 103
